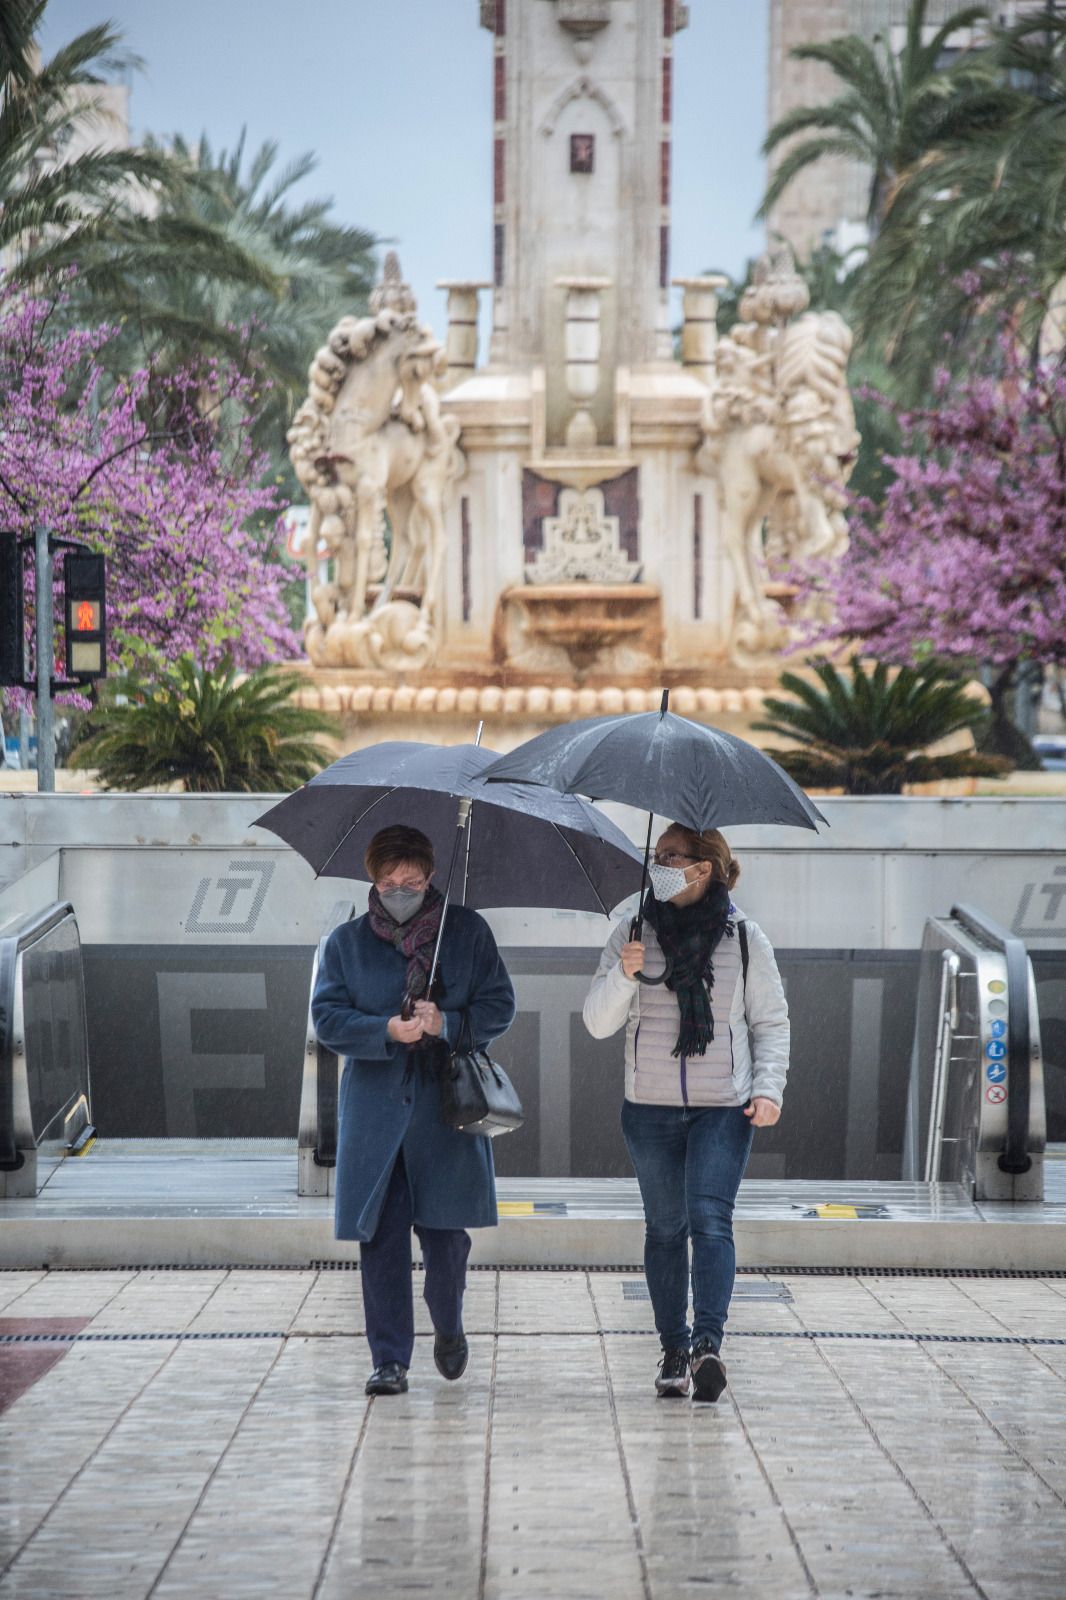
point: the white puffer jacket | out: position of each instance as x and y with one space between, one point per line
749 1053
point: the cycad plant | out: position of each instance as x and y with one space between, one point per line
866 731
209 730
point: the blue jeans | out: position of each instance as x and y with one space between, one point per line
689 1161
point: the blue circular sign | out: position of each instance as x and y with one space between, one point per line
995 1049
996 1071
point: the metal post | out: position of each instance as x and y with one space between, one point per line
46 746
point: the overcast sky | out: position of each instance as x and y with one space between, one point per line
393 96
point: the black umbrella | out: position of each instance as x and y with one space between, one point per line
524 846
665 764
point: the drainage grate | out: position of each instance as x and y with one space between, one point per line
637 1289
563 1333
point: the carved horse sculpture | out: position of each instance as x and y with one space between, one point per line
370 370
780 439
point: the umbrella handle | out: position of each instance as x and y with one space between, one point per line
642 977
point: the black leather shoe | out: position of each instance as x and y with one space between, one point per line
708 1371
673 1379
389 1378
451 1354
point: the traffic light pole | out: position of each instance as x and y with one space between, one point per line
46 744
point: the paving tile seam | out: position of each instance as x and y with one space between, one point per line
612 1404
990 1423
87 1463
486 1487
216 1468
919 1498
331 1542
771 1487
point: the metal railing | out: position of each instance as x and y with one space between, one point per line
317 1141
45 1109
976 1112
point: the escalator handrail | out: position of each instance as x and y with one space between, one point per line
15 937
325 1144
1015 1157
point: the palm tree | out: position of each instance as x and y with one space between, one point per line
53 210
173 308
893 111
207 729
993 203
868 735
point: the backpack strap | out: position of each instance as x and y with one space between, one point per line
742 934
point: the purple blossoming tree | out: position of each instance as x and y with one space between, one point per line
156 471
965 559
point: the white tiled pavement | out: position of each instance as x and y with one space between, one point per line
178 1467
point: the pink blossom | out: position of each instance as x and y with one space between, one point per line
158 474
966 558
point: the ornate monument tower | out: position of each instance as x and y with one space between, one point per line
585 514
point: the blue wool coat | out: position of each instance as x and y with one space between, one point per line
389 1103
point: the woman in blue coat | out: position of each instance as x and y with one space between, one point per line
398 1165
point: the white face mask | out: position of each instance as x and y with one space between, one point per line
401 904
667 882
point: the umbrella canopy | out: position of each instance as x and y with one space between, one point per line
662 763
524 846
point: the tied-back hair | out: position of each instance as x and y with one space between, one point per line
712 846
398 846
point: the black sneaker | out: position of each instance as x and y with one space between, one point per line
451 1353
673 1379
708 1371
389 1378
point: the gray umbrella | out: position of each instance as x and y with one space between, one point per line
659 762
664 764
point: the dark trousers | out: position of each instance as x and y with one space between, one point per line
388 1298
689 1161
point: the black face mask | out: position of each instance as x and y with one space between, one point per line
402 904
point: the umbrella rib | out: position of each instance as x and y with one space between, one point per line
581 864
352 828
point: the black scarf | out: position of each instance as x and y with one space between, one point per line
689 936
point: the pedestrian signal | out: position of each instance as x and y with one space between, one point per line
12 647
86 616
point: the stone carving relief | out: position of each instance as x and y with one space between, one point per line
368 443
780 441
582 544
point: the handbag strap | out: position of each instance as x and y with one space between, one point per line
465 1024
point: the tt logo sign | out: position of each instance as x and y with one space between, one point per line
1028 923
232 902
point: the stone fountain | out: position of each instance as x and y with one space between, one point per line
600 508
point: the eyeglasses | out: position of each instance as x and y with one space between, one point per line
670 858
386 885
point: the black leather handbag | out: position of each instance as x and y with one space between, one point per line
476 1095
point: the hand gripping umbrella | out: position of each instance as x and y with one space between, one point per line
665 764
523 846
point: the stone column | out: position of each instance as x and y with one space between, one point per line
582 355
462 327
699 328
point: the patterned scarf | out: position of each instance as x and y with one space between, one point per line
414 939
689 936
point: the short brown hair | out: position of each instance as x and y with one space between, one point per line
712 846
398 846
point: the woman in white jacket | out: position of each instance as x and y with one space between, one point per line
706 1058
